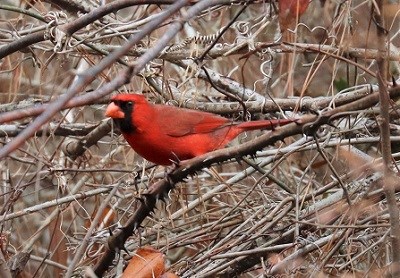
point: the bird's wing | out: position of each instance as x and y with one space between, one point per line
181 122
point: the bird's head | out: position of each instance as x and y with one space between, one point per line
121 110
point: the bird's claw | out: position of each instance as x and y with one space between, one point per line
176 162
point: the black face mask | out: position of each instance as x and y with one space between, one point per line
125 124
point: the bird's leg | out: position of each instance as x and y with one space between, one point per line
176 161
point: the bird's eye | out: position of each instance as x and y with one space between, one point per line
129 103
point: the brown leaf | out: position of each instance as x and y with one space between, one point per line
274 258
357 161
169 275
147 263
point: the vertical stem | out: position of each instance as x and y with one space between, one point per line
383 121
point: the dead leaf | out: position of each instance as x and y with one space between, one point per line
147 263
357 161
169 275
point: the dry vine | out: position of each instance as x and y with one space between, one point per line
315 197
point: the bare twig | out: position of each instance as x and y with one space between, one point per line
56 202
81 250
76 147
384 99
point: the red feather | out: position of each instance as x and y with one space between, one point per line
162 134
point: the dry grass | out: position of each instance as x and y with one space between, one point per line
312 205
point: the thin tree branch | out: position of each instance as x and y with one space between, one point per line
383 121
82 247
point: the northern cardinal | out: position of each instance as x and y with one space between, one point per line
163 134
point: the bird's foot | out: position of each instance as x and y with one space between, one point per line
176 162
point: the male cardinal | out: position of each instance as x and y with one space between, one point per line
163 134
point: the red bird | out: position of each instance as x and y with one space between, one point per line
162 134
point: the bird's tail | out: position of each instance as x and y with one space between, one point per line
264 124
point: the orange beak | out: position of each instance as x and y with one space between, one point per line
113 111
